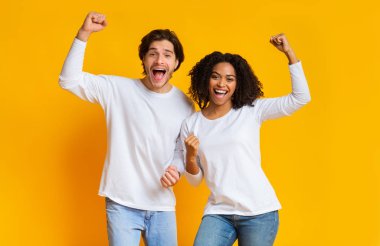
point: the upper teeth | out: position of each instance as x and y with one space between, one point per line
220 91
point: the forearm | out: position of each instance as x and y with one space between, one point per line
292 58
193 173
83 35
191 165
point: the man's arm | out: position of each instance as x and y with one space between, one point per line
86 86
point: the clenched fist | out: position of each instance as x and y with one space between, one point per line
94 22
170 177
281 43
192 145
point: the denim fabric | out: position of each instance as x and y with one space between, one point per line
126 225
223 230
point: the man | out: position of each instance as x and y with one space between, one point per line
143 117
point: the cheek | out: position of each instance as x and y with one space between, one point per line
233 89
211 83
145 63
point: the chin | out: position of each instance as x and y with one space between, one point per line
159 85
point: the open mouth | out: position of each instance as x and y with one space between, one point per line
159 73
220 92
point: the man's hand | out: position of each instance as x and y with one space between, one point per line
281 43
170 177
94 22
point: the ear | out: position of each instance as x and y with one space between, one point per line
176 63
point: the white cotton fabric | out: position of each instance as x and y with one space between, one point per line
229 152
142 129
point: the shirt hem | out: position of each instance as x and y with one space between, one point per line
250 213
135 206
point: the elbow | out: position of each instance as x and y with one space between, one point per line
302 99
62 82
307 99
68 83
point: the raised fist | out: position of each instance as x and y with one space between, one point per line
94 22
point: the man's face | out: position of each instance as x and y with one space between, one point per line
159 64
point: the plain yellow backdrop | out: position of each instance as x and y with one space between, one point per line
323 161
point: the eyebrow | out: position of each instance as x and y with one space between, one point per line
228 75
166 50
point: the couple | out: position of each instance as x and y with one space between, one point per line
153 130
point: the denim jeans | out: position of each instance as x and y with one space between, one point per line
223 230
126 225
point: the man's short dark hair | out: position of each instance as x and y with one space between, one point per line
159 35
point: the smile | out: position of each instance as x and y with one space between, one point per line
158 73
220 92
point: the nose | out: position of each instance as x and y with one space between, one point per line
221 82
160 59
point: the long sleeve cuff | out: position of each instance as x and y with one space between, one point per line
194 179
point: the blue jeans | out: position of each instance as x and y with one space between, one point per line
126 225
223 230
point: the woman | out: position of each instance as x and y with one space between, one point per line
223 145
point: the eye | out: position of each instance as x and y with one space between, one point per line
168 55
214 76
231 79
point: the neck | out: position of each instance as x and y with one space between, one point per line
163 89
213 111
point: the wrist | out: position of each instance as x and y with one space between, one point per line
291 56
192 169
83 35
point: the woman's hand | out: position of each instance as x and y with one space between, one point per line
192 145
282 44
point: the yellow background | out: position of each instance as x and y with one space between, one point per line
323 161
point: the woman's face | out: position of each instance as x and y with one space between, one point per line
222 84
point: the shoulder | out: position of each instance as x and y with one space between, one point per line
190 121
120 79
181 96
192 118
257 101
122 84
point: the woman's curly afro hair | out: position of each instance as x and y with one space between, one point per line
248 87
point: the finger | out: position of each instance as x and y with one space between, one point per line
172 174
98 18
189 142
278 35
277 38
105 23
273 41
163 183
189 138
192 141
171 177
284 40
103 19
